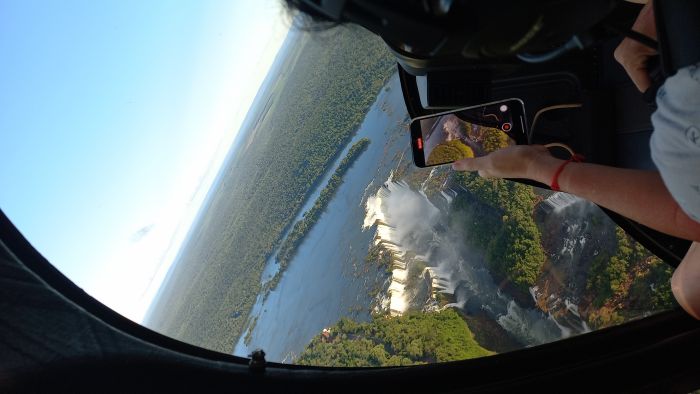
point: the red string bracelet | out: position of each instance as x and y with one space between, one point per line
555 179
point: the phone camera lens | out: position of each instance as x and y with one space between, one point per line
506 127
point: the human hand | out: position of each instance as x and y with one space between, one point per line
519 161
633 55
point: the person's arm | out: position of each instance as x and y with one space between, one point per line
636 194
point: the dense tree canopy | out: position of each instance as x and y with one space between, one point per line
510 238
448 152
494 139
389 341
630 280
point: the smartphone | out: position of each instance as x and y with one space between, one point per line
467 132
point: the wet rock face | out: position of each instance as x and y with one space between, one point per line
574 232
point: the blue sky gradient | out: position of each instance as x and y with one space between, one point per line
115 117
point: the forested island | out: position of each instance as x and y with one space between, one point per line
327 83
303 226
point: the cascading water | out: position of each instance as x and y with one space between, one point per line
406 223
559 201
569 216
381 211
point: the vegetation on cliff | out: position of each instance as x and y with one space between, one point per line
629 280
415 338
503 227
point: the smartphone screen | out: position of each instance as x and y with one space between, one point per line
468 132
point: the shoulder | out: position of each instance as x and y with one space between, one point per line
675 143
677 119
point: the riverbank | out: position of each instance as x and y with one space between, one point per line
302 227
326 278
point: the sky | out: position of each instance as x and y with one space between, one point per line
115 116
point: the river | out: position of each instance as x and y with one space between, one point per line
328 278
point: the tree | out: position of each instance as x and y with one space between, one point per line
494 139
449 151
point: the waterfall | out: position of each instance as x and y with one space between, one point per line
559 201
432 172
448 197
530 326
564 312
574 240
397 212
406 224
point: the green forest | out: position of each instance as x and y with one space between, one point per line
503 227
303 226
415 338
328 82
627 281
448 152
494 139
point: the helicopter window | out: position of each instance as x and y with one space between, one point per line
359 258
272 202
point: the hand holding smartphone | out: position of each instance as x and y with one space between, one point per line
467 132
